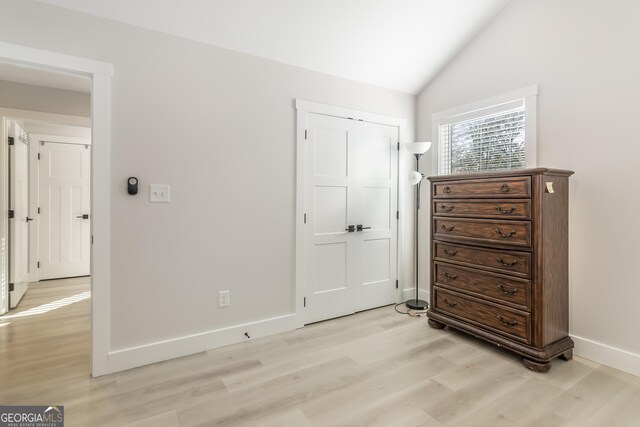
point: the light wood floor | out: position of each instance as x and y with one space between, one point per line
376 368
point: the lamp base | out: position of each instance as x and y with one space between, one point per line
417 304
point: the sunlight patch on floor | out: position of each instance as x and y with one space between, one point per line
45 308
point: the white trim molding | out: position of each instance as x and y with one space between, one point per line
133 357
527 96
607 355
100 74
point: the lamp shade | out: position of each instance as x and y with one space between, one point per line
415 177
418 147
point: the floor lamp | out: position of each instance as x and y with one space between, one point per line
415 178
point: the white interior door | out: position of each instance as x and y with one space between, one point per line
64 210
377 172
19 224
351 180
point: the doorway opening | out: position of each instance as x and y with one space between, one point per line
45 125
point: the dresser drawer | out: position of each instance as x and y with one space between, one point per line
498 208
495 287
500 261
509 322
510 233
519 187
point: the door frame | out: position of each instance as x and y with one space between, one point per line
303 107
100 74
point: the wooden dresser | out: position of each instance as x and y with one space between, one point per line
499 260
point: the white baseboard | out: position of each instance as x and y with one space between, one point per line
133 357
606 355
410 293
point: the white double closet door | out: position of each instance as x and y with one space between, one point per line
351 180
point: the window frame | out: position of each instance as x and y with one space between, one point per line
527 96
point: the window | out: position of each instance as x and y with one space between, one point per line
495 134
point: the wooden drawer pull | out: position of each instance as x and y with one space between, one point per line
505 211
450 253
504 188
446 189
505 323
449 304
445 208
448 229
506 264
501 234
507 291
450 276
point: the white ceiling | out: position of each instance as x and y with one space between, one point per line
43 77
397 44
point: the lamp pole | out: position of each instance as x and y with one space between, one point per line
417 303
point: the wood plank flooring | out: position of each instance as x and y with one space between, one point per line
376 368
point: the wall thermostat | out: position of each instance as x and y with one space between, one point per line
132 185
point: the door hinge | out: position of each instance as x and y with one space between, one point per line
305 134
38 264
12 214
304 301
398 145
397 214
11 140
305 218
396 284
38 210
92 240
38 156
11 287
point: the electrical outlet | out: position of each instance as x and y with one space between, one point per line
224 299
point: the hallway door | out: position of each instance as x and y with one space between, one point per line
65 231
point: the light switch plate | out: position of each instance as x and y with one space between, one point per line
159 193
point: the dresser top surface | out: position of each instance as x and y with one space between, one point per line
501 174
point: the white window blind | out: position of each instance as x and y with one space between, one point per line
491 142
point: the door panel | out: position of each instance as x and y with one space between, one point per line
377 188
64 199
18 226
330 250
351 179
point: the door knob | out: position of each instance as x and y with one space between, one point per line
360 227
83 216
351 229
29 219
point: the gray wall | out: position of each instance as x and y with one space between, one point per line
218 126
584 57
46 99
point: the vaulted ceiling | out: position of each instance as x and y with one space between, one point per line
397 44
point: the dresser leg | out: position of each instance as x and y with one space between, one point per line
539 367
567 355
435 325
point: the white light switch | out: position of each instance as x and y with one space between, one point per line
159 193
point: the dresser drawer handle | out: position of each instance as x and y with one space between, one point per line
447 229
445 208
507 291
450 253
505 211
505 323
504 188
503 235
446 189
449 304
506 264
450 276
